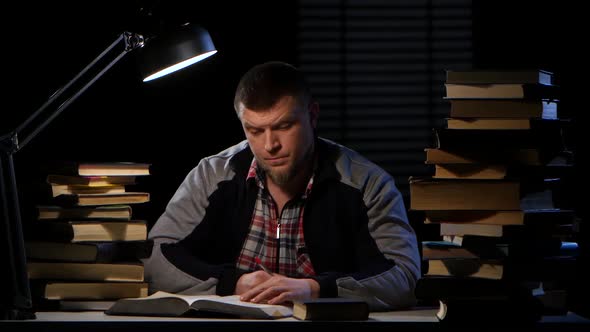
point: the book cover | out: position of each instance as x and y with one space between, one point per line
86 271
59 189
87 168
502 91
175 305
66 290
501 217
490 123
499 76
489 155
543 135
88 230
503 108
91 181
464 194
69 200
465 267
111 212
89 252
331 309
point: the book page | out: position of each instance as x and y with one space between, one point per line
234 300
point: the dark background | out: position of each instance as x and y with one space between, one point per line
175 121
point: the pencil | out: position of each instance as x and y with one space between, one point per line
261 266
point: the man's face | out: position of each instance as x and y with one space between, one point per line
281 137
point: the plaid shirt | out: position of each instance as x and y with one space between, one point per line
276 239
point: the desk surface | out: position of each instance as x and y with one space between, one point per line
423 319
417 315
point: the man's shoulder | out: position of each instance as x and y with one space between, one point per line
352 165
236 156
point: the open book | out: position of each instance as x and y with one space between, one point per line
174 305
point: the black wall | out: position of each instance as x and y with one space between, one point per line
171 122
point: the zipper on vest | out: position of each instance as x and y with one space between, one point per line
278 238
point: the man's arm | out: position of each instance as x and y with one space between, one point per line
393 287
173 267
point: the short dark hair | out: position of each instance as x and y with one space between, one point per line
264 84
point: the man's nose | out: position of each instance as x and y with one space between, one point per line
271 141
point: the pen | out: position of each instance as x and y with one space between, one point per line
260 265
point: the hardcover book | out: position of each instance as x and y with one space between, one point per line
91 181
89 252
499 76
331 309
175 305
65 290
503 108
114 212
85 230
69 200
86 271
99 168
502 91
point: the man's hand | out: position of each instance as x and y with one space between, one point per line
250 280
280 289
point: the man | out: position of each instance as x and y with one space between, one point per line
323 220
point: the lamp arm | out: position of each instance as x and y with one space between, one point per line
10 212
11 140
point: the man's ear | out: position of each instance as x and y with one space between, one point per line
314 113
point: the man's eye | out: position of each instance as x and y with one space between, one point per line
285 126
255 131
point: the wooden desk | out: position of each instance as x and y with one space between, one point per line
422 319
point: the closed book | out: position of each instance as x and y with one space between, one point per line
85 230
503 108
459 194
502 91
500 171
544 135
445 287
86 271
331 309
481 229
444 250
174 305
91 181
488 155
499 76
500 311
501 217
83 168
59 189
68 200
65 290
528 247
470 171
97 252
490 123
111 212
465 267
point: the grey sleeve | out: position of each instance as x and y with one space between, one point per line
396 239
183 213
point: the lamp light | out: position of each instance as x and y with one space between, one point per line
161 55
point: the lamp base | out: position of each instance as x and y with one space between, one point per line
17 314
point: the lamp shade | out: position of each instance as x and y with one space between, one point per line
174 50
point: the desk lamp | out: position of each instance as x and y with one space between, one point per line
160 55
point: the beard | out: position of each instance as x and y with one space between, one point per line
283 177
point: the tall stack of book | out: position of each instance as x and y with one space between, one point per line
498 164
84 249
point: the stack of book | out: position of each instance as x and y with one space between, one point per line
497 166
84 249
